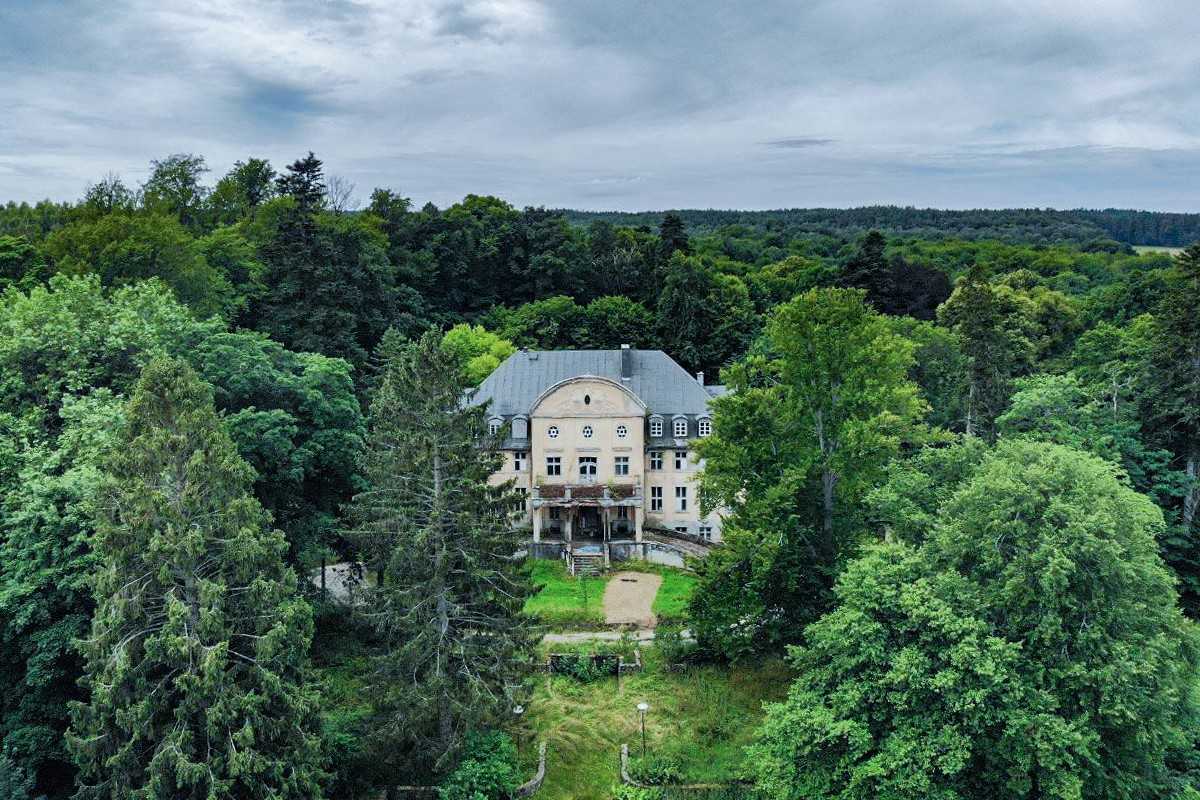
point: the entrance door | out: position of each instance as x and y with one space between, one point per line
589 523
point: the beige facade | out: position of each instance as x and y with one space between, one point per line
596 464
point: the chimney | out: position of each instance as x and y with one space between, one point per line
626 362
700 378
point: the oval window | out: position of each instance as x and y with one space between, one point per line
552 431
587 399
622 431
587 431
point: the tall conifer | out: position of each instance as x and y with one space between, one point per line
198 648
449 608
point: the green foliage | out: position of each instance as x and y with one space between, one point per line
45 599
477 350
198 651
803 435
487 771
174 188
1027 643
1173 402
296 420
705 319
14 783
449 609
123 248
996 335
330 286
21 264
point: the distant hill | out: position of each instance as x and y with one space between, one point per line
1085 226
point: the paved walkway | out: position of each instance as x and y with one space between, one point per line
629 599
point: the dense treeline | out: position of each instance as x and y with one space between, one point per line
969 440
1093 228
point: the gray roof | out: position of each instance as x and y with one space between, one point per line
664 386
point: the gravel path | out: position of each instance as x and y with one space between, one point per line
629 598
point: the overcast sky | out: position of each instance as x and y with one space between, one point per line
621 104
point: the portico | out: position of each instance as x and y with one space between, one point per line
587 512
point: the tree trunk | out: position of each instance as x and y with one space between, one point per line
828 481
1190 496
970 431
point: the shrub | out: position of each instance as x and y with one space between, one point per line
487 771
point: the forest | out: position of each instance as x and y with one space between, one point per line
958 459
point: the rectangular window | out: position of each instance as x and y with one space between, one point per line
656 498
706 532
622 512
680 428
555 512
681 459
554 465
519 460
587 466
681 498
656 459
519 503
656 428
621 465
706 427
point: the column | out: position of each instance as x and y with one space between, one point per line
537 524
568 519
638 515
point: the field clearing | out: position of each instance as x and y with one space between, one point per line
701 718
1153 248
564 601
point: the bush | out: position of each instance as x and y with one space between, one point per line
671 646
582 667
657 769
488 770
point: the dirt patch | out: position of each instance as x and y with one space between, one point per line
629 598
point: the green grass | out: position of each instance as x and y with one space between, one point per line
671 602
559 601
705 716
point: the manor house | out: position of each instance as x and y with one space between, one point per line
600 442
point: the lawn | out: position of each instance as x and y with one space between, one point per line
671 602
702 718
564 601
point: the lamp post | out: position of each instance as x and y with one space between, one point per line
518 710
642 708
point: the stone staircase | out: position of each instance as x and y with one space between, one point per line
590 564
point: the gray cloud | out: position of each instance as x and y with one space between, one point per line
622 104
797 142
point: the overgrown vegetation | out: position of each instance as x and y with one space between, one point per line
700 718
969 440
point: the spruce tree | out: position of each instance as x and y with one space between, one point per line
198 649
449 607
868 270
305 182
1174 405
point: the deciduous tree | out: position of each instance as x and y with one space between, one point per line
1027 644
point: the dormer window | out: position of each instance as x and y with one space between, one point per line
520 428
705 426
494 425
622 431
680 428
587 431
656 427
552 431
